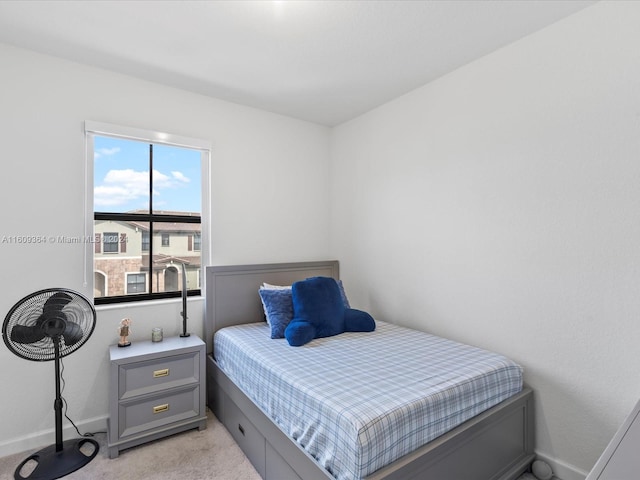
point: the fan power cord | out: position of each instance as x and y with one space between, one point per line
66 406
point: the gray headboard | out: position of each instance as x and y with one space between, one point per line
232 290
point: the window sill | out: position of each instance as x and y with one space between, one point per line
145 303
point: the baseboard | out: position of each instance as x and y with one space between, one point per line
562 470
33 442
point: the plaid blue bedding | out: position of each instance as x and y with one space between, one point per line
359 401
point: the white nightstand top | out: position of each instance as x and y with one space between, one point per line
148 347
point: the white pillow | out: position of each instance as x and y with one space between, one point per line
268 286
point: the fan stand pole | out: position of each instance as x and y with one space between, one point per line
57 403
61 459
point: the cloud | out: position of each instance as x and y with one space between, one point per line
160 180
120 187
110 196
127 176
180 177
105 152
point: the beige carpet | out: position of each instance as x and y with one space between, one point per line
210 454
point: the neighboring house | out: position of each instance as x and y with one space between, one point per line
121 263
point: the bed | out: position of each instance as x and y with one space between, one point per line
492 439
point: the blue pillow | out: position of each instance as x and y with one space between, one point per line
299 333
358 321
278 308
318 311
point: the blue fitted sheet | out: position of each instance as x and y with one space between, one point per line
359 401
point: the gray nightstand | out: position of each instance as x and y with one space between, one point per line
157 389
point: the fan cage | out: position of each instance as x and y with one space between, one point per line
27 311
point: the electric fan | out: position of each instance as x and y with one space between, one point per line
48 325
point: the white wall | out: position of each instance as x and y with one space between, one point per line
269 204
500 206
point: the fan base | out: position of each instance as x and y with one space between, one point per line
52 464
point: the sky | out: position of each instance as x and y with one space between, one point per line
121 176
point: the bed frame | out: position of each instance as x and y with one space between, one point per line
495 445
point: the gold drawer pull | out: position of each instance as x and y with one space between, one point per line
161 408
161 373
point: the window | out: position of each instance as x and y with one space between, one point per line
136 283
149 196
145 240
110 242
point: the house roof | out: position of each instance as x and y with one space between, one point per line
161 261
173 227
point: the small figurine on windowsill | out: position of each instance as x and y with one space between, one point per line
124 330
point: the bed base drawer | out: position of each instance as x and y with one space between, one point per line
276 467
266 460
246 435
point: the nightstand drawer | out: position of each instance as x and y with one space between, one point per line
142 378
152 412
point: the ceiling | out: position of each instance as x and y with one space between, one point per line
324 61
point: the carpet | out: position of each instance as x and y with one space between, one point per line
211 453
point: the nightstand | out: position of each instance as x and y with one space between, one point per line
156 389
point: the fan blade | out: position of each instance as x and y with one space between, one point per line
72 333
56 302
24 334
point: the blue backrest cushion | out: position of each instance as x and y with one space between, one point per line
278 307
358 321
318 301
319 311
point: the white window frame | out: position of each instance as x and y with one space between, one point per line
93 128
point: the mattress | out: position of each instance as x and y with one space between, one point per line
359 401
